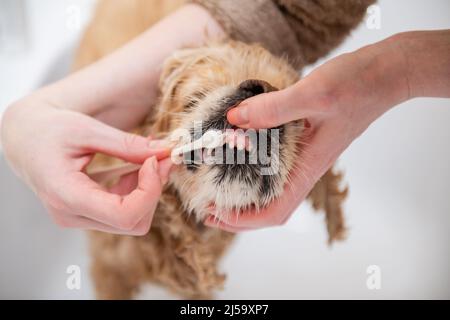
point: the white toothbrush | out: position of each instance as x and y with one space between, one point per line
211 139
104 174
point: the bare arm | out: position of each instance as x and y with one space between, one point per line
427 56
300 30
128 77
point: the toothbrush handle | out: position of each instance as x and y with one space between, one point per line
105 174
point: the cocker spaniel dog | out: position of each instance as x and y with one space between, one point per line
198 85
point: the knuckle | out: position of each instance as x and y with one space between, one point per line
278 220
52 200
142 230
281 223
129 141
127 223
122 216
61 222
139 233
284 220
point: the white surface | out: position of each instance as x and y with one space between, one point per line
52 26
398 210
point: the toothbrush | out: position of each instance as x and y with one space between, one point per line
104 174
211 139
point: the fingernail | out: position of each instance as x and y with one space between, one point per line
154 163
239 115
164 171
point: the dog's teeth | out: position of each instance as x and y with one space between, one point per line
240 141
248 146
228 135
207 156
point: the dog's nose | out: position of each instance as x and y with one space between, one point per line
253 87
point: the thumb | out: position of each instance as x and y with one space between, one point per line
123 212
269 110
126 146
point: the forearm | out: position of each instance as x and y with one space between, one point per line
399 68
428 62
120 88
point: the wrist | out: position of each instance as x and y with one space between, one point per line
10 135
381 81
427 62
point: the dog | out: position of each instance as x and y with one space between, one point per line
196 84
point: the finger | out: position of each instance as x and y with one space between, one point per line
213 222
126 184
271 109
127 146
123 212
80 222
164 168
274 215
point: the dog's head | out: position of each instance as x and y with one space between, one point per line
198 86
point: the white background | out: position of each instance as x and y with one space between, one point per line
398 210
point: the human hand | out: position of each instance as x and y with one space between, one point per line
50 136
50 147
340 100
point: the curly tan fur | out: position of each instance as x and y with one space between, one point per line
178 252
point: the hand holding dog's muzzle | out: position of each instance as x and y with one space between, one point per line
338 104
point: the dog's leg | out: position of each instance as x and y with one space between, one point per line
111 284
327 195
112 278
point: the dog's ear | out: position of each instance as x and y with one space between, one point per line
174 72
174 69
